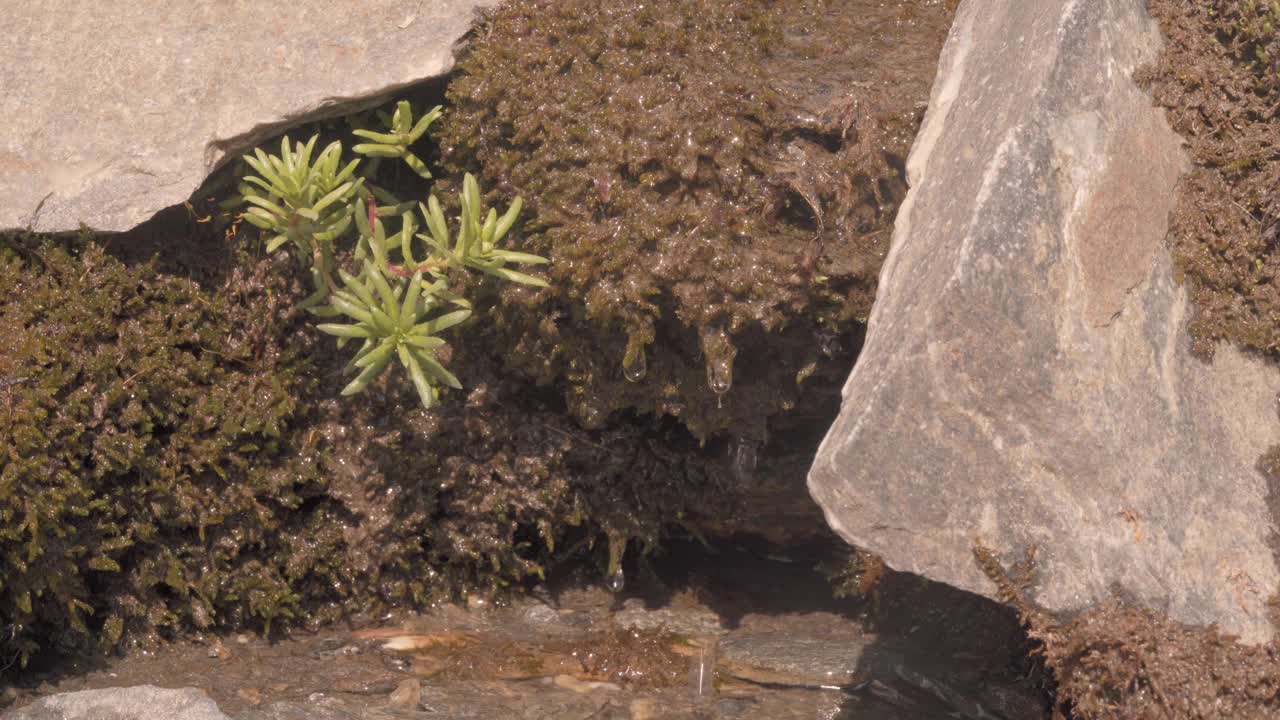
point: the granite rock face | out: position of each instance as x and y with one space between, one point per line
1027 382
114 111
142 702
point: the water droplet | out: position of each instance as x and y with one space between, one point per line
589 416
719 352
828 343
743 458
702 670
635 370
720 375
617 581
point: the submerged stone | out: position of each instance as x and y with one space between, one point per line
142 702
1027 383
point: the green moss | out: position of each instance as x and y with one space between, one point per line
145 442
1255 26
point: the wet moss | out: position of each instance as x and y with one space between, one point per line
147 459
715 213
175 460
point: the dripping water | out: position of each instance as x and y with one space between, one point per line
634 368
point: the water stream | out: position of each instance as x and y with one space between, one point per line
738 630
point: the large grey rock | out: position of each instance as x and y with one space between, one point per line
1026 381
113 111
143 702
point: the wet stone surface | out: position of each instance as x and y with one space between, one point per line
730 635
793 657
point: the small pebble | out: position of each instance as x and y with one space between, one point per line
541 615
365 686
420 642
243 639
427 666
407 694
335 647
397 663
570 682
218 650
643 709
253 696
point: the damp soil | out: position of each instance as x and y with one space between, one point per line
733 631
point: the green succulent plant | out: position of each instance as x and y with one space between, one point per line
476 243
404 132
394 323
297 200
399 300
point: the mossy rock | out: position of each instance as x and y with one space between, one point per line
1219 79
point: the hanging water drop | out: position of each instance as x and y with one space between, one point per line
635 366
828 343
720 375
719 352
616 581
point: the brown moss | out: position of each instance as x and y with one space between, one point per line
713 181
147 457
1224 100
1120 662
